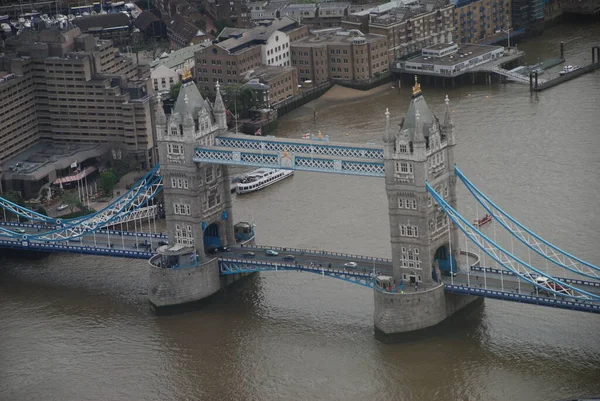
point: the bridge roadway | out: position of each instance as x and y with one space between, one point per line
476 283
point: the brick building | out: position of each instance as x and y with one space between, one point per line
241 50
479 20
282 81
335 54
408 25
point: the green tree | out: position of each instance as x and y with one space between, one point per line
174 91
14 197
71 199
107 182
239 98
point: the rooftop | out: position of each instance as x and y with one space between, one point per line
178 57
465 52
44 157
237 37
337 37
269 72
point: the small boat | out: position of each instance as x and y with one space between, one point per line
485 219
258 179
568 69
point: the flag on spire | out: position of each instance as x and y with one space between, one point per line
306 136
258 132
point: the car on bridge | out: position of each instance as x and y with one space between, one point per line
19 230
270 252
248 254
289 258
350 264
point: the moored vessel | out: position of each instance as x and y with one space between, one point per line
258 179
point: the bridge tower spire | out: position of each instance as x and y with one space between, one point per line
420 151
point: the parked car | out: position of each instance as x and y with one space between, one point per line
248 254
224 249
350 264
290 258
62 207
211 250
270 252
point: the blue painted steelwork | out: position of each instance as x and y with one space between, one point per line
492 208
54 247
509 273
79 228
461 222
301 146
101 231
138 187
522 298
237 266
290 162
320 252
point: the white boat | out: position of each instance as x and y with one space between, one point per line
258 179
568 69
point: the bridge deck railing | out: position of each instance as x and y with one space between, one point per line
524 298
320 252
509 273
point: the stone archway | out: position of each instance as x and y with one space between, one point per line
442 257
212 236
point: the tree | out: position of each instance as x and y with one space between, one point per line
107 182
220 25
14 197
71 199
174 91
239 98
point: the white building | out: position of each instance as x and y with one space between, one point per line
178 60
276 50
163 78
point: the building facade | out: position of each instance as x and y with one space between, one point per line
346 55
75 89
237 51
475 21
18 124
408 26
282 82
422 150
163 78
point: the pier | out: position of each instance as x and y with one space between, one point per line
535 86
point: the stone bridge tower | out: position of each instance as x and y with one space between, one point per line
420 151
197 200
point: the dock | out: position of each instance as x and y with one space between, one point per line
535 86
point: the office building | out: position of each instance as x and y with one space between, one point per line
338 54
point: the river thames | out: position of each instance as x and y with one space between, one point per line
78 328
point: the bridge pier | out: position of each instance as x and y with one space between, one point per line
402 316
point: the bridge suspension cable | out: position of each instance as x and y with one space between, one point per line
533 241
34 216
119 210
507 260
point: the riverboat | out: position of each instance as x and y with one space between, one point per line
258 179
485 219
568 69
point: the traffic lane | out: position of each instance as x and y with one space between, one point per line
511 281
307 258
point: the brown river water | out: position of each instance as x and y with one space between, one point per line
78 327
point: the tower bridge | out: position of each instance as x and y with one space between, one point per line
427 279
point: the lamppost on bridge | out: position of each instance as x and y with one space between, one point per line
507 32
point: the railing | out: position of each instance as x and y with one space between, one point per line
54 247
533 275
319 252
523 298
